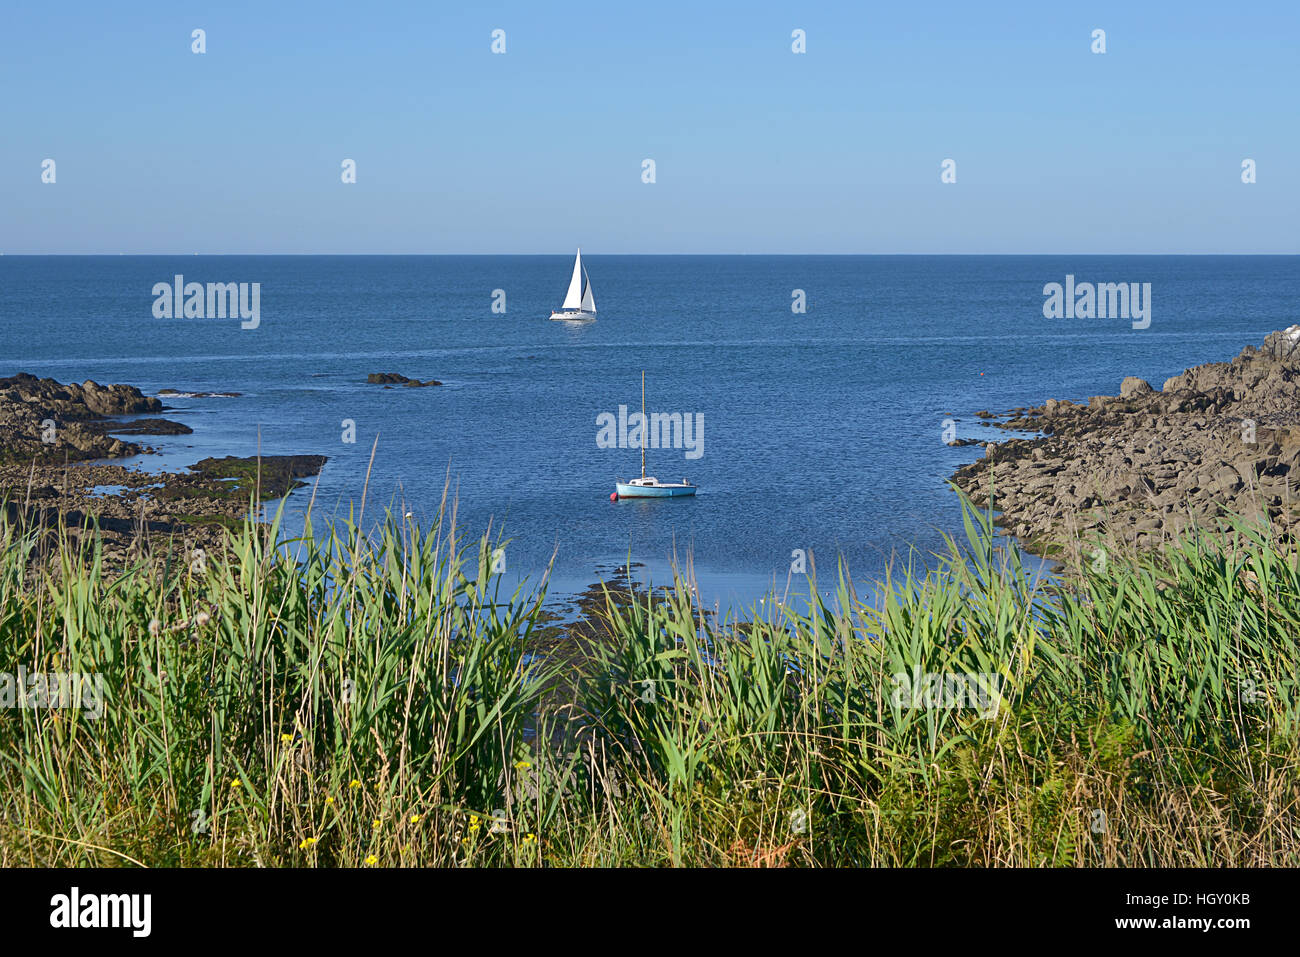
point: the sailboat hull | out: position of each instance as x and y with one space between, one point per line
573 315
625 490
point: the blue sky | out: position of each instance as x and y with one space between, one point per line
757 149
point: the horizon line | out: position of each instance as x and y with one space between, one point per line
1038 255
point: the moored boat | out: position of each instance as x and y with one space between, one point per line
650 487
647 486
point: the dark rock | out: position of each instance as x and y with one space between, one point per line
46 420
141 427
393 378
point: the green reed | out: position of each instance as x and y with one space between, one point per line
352 698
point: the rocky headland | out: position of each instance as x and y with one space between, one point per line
1144 466
48 421
56 443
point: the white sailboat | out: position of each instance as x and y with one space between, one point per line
579 304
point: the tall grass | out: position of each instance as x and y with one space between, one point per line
375 700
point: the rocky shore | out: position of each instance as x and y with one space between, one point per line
48 421
1144 466
55 438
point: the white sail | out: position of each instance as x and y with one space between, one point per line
573 299
588 300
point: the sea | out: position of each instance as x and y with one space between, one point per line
821 390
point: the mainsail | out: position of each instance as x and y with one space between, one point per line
573 299
588 300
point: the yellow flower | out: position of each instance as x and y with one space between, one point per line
354 784
378 823
473 820
236 783
464 840
522 765
307 843
329 801
529 838
372 860
415 819
286 738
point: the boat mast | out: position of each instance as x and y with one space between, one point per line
644 426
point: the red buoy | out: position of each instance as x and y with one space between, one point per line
613 496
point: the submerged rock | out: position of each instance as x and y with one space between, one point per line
393 378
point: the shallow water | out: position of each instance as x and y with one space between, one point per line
822 431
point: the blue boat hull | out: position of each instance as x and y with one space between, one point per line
640 491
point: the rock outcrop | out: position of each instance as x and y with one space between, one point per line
48 430
1220 439
46 420
393 378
